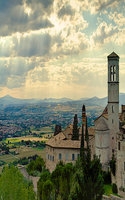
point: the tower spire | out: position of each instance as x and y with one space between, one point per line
113 99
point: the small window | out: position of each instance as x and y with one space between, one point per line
73 156
118 145
124 166
60 156
112 121
67 156
112 109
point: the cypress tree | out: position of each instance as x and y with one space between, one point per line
75 134
88 179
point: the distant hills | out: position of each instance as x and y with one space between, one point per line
94 101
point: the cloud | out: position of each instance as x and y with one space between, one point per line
118 18
66 10
14 70
52 42
104 33
100 6
33 45
39 74
45 3
4 73
14 16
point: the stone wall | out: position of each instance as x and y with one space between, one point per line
66 155
111 197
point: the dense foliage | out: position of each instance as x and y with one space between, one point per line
36 166
13 186
56 185
72 182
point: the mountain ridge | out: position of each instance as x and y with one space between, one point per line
7 100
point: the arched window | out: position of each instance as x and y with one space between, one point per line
113 73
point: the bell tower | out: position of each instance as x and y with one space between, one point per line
113 99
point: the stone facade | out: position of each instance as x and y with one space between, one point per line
110 128
61 147
107 125
120 172
55 155
102 138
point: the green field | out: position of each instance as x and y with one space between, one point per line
15 140
22 152
44 130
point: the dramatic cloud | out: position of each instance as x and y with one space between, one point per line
63 44
23 16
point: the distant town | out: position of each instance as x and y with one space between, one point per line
22 117
19 120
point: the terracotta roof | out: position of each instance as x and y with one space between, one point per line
113 54
68 131
60 141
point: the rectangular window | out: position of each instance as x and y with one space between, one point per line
112 109
118 145
124 166
73 156
60 156
67 156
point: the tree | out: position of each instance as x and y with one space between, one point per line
58 129
14 186
36 166
48 190
75 135
45 176
61 178
88 179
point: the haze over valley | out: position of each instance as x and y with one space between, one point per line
18 116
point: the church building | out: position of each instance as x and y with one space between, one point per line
107 125
65 146
107 140
110 128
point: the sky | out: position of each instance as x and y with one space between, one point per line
55 49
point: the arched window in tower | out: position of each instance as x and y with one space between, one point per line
113 73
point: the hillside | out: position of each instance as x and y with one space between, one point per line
94 101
